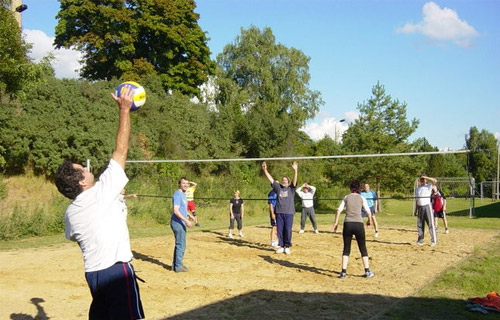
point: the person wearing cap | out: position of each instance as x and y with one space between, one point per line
423 209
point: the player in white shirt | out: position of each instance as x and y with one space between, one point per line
306 193
423 209
95 219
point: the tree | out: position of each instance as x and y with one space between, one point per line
382 127
131 39
13 54
263 87
439 165
482 159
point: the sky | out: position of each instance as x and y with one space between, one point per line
440 58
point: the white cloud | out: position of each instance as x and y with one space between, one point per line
66 63
319 129
442 25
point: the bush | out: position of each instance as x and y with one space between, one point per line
3 189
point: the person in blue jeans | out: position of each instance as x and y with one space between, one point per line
285 207
178 222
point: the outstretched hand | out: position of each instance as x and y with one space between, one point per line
264 165
295 165
126 98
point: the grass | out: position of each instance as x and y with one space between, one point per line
445 297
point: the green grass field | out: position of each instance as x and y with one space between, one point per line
443 298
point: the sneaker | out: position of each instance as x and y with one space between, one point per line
342 275
446 231
280 250
301 231
369 274
433 244
376 234
230 236
287 251
197 224
316 231
274 244
240 234
181 269
420 243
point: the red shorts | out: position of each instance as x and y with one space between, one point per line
191 206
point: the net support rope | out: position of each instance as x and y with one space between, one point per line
373 155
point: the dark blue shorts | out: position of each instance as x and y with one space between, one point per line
115 293
363 212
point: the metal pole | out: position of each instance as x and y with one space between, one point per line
498 170
341 120
17 7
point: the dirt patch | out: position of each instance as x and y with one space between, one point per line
239 278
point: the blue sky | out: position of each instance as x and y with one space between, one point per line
440 57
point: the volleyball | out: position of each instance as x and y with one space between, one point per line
139 94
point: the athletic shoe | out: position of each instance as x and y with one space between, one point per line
369 274
287 251
420 243
433 244
197 224
446 231
230 236
280 250
316 231
376 234
240 234
301 231
342 275
274 244
181 269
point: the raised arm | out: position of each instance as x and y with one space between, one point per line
432 180
122 136
295 167
312 188
268 175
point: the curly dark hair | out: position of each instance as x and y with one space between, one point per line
355 186
67 180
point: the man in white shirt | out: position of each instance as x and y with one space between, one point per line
306 193
96 221
423 209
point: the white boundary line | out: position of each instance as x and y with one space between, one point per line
373 155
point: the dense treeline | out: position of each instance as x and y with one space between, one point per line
76 120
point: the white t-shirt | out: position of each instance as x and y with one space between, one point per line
307 197
95 219
423 194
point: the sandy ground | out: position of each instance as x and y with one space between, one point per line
239 278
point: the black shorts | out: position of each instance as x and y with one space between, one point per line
440 214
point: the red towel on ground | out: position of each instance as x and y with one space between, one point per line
491 300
